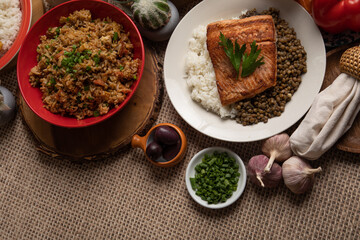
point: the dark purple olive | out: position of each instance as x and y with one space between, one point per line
171 151
166 135
154 151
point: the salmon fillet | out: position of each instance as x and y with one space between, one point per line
259 28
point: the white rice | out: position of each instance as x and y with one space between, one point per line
10 20
201 76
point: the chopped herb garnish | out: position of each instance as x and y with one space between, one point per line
86 88
121 68
57 31
52 81
115 37
67 19
79 94
135 77
88 68
47 46
96 59
216 177
96 113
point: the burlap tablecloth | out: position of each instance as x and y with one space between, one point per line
125 197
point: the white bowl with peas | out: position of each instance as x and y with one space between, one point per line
215 177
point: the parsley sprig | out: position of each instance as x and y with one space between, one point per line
249 60
238 56
235 56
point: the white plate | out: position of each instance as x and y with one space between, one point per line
228 130
190 173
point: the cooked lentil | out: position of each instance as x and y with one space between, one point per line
85 67
291 63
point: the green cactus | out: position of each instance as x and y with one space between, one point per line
151 14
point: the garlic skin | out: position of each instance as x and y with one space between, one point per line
298 174
255 171
277 148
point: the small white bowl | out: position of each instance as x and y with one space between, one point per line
190 172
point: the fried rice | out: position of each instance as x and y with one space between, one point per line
85 66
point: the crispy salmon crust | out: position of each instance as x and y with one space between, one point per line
259 28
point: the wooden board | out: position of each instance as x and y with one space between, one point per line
105 138
181 3
37 10
350 142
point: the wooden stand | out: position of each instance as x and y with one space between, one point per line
107 137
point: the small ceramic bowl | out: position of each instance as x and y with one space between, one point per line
142 142
190 173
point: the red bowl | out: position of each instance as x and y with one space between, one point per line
27 57
25 6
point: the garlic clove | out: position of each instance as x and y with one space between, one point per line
255 170
298 174
277 148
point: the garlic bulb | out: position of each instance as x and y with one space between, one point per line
255 171
298 174
277 148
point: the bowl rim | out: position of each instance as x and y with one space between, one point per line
95 120
26 10
241 184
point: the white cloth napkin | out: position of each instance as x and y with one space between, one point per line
330 116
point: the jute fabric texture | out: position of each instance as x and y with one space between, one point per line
125 197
